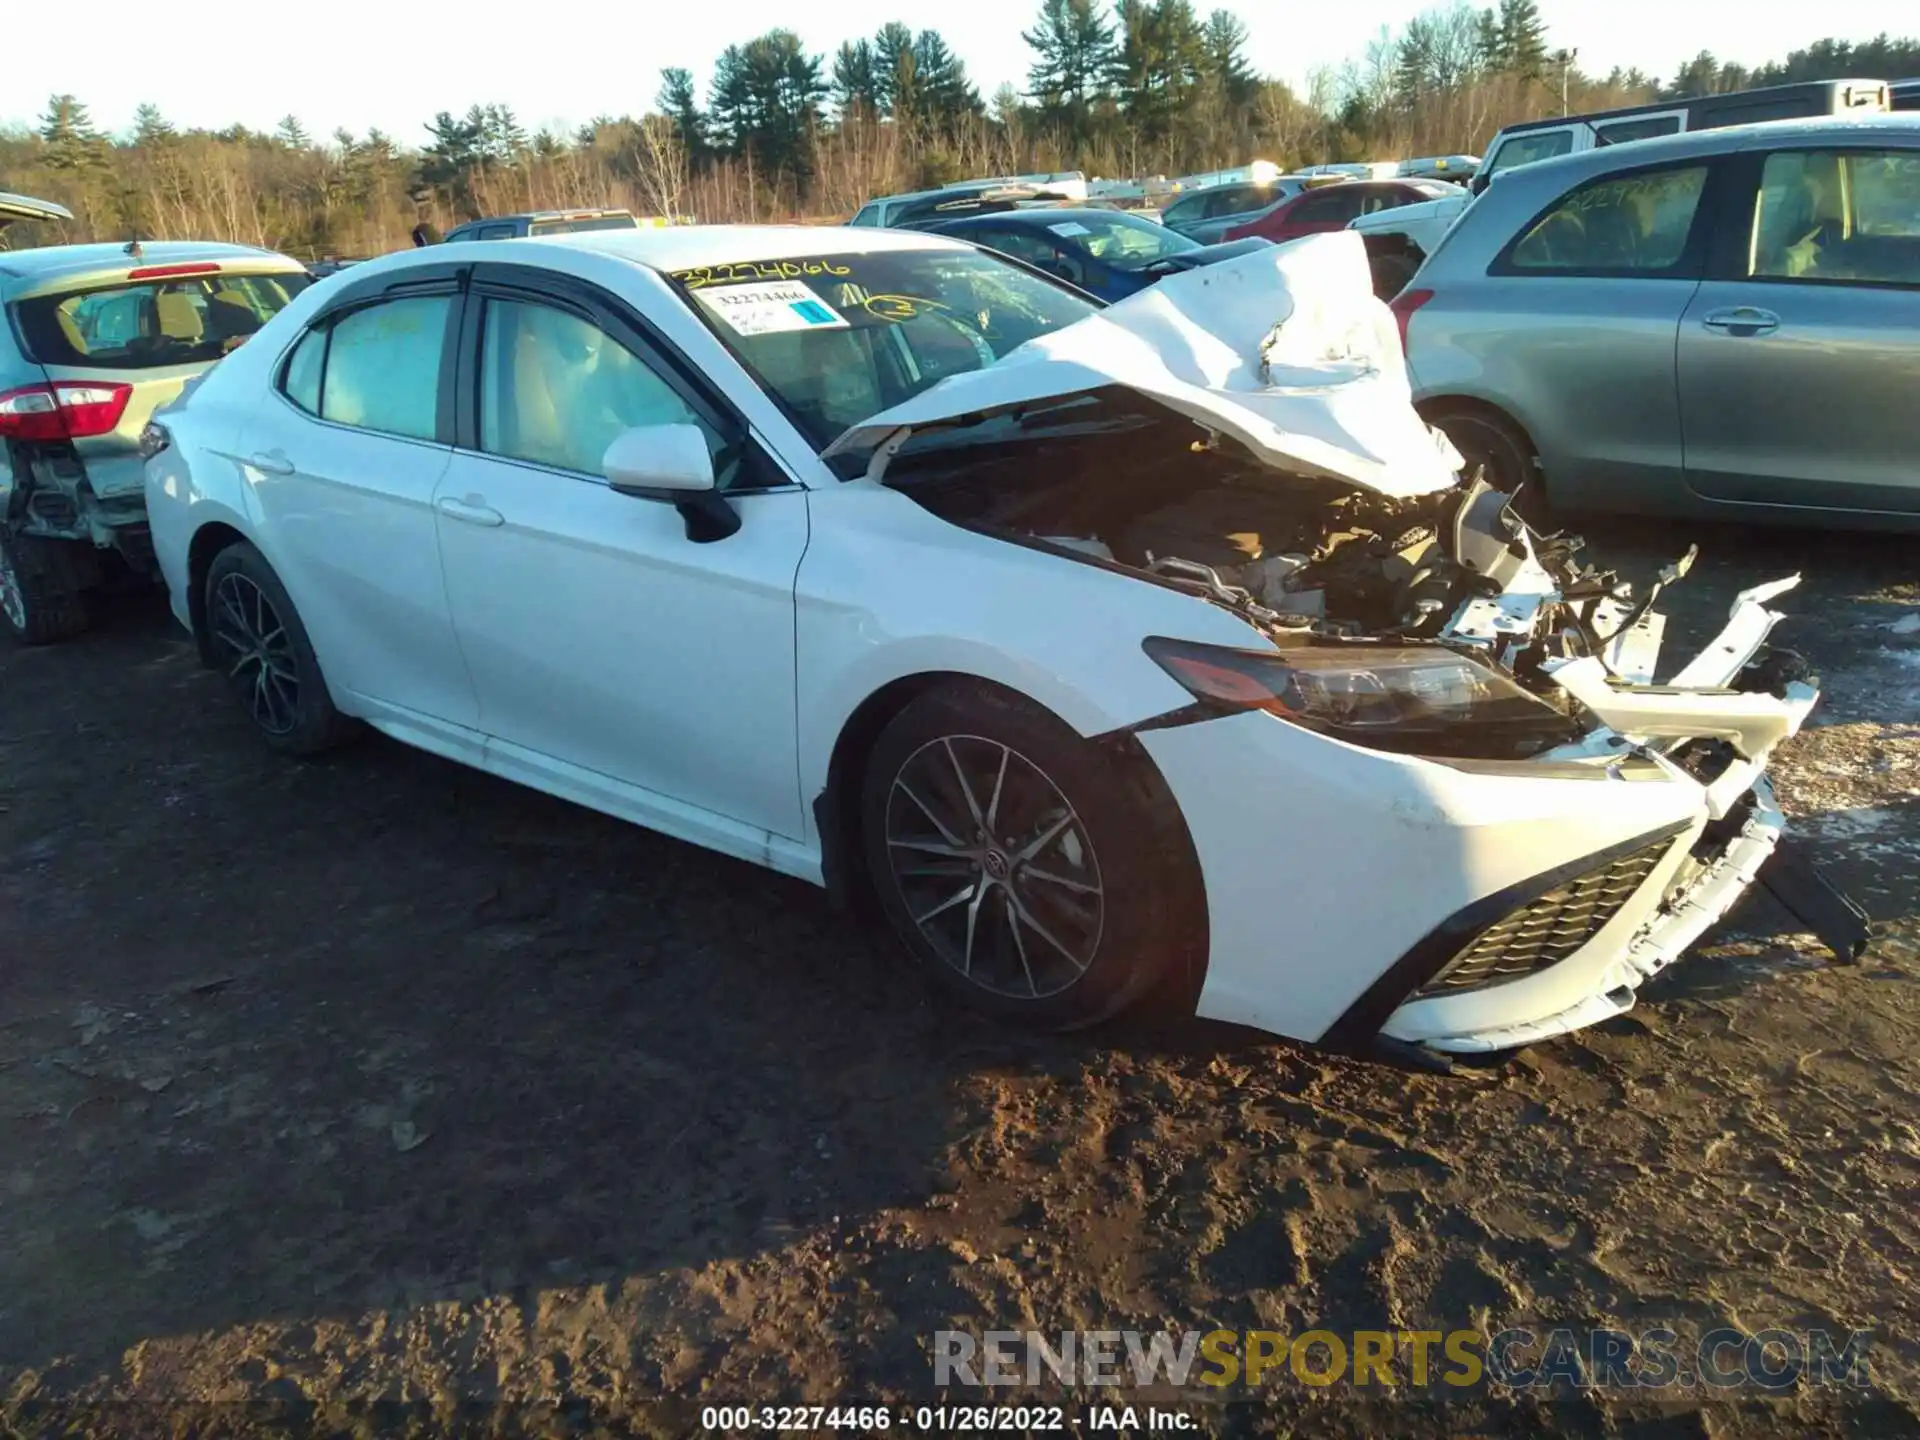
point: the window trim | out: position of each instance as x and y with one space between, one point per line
1691 264
347 305
529 285
1731 253
1598 127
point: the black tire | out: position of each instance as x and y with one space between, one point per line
1491 442
257 642
1072 931
37 605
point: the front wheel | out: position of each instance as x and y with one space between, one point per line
257 641
1034 877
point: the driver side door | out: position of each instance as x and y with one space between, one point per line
610 653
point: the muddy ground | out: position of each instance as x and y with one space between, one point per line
377 1080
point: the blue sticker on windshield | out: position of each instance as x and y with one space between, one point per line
814 313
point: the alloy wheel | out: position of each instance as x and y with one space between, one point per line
12 602
257 652
995 867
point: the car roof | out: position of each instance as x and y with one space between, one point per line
1038 217
1881 128
683 247
584 212
45 266
1689 102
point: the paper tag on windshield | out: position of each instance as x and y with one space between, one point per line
1069 227
770 307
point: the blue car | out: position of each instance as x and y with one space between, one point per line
1107 253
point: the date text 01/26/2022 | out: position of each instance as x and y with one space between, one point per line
940 1419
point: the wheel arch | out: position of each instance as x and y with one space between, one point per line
206 545
836 808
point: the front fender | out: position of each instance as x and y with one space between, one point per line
889 591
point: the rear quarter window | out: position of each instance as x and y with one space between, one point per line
152 325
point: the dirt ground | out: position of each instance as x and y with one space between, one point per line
376 1081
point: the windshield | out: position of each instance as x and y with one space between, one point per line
838 338
1122 241
148 326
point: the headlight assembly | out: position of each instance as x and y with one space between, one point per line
1415 699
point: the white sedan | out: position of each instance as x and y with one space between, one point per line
1112 651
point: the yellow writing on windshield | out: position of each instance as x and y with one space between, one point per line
701 276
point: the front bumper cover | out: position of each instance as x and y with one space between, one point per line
1743 830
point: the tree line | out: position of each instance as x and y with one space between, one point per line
1135 87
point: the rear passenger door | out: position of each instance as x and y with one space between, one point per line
1799 374
342 463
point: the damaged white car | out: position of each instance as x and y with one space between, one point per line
1111 651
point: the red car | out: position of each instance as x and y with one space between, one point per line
1333 207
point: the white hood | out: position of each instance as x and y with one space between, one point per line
1286 349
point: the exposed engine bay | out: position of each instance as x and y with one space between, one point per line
1117 479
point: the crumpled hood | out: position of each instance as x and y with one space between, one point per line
1286 349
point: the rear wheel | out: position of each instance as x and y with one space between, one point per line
257 641
1032 876
36 607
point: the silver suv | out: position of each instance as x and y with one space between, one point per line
93 340
1724 323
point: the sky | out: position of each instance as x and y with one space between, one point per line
363 63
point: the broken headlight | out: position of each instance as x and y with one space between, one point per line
1414 699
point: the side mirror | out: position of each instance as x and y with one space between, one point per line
659 462
672 463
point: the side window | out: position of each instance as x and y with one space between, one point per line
1229 200
383 367
1645 128
1849 216
1635 223
1021 244
1337 204
494 232
1525 149
1191 207
301 383
866 215
555 389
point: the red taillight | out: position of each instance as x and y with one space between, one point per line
156 272
64 410
1403 305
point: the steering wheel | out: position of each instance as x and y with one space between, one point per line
982 351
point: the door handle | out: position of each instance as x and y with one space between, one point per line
472 510
271 462
1742 320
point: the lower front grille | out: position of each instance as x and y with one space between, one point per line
1549 929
